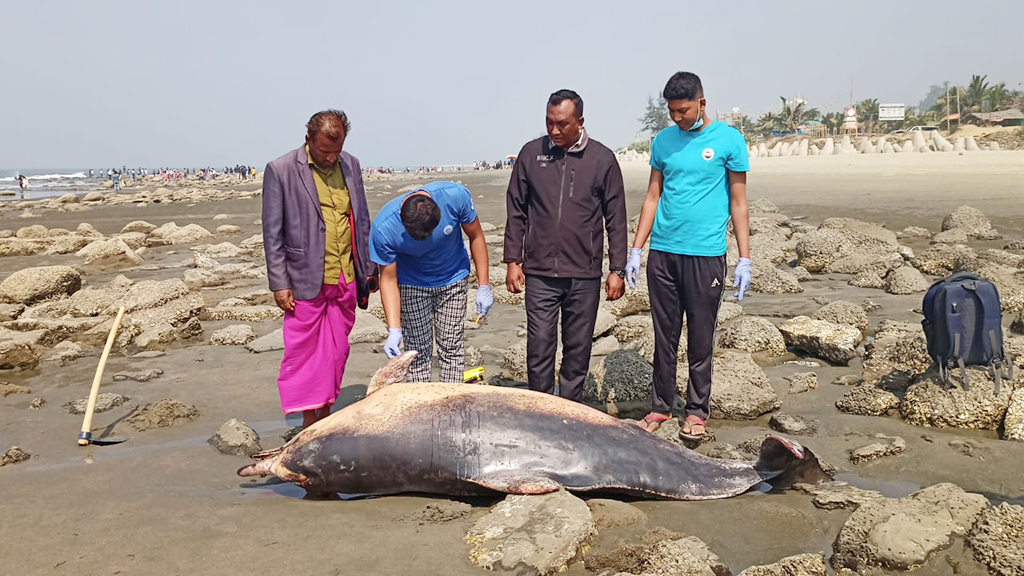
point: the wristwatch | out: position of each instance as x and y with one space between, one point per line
619 272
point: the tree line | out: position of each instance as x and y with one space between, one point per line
795 113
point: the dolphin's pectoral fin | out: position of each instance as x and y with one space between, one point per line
518 483
544 486
267 453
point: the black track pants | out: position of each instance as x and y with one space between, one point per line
576 299
690 285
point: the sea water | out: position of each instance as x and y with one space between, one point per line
47 182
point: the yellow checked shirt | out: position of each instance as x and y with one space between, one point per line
334 203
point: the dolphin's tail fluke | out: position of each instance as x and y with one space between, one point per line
785 462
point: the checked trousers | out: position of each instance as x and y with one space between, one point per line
432 315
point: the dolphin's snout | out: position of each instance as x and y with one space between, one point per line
261 468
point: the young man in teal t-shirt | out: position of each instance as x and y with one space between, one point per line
698 181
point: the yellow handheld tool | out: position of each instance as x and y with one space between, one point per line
473 375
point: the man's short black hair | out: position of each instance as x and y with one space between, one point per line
420 216
564 94
683 86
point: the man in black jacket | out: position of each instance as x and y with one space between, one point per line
565 191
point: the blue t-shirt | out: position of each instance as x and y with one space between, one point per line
441 259
694 207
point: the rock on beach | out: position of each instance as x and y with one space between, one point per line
930 402
30 286
972 221
906 280
235 437
18 350
843 312
799 565
14 455
836 343
899 348
997 539
753 334
162 414
740 389
792 424
867 401
234 335
543 533
837 238
899 534
104 401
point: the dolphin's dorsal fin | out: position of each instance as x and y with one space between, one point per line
377 381
391 373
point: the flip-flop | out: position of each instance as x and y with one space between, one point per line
653 418
691 419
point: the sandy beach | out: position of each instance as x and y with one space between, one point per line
167 502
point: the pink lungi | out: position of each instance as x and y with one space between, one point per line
316 348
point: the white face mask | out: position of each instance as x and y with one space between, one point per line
700 120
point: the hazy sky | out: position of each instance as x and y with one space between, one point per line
191 82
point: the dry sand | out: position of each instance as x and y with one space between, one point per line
165 502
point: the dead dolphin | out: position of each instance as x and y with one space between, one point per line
463 439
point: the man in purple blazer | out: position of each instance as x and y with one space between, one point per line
316 229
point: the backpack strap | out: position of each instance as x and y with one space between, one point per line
997 362
963 372
955 296
960 360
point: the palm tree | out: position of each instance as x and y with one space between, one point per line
833 120
940 109
867 114
768 123
795 113
998 97
923 118
747 127
974 94
1017 99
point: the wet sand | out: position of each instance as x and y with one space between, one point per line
165 502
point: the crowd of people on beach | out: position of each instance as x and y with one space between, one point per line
325 255
116 175
481 165
164 174
496 165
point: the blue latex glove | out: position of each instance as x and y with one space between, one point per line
484 299
633 266
741 277
393 345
